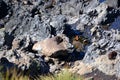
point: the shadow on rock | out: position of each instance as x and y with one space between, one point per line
3 9
71 32
98 75
35 69
5 64
8 40
71 57
75 56
112 14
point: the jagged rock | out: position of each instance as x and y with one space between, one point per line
25 61
115 24
117 35
106 64
112 3
81 68
117 46
56 46
109 67
54 68
2 35
93 30
103 43
102 12
19 31
57 23
23 42
108 43
98 75
30 21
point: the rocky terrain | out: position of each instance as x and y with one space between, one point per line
45 36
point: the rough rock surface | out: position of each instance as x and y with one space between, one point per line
25 22
81 68
1 37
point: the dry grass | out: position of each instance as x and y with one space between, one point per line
12 74
63 75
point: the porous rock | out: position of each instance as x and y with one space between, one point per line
2 35
26 62
81 68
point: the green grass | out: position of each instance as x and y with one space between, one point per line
12 74
63 75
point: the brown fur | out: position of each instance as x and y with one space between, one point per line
79 42
112 55
58 39
50 46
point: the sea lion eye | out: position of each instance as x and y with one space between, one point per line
59 39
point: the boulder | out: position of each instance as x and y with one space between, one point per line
81 68
24 61
104 53
2 35
112 3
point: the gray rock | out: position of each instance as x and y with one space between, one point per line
53 68
117 46
2 35
28 21
112 3
30 24
107 43
117 35
32 55
103 43
58 23
115 24
25 61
